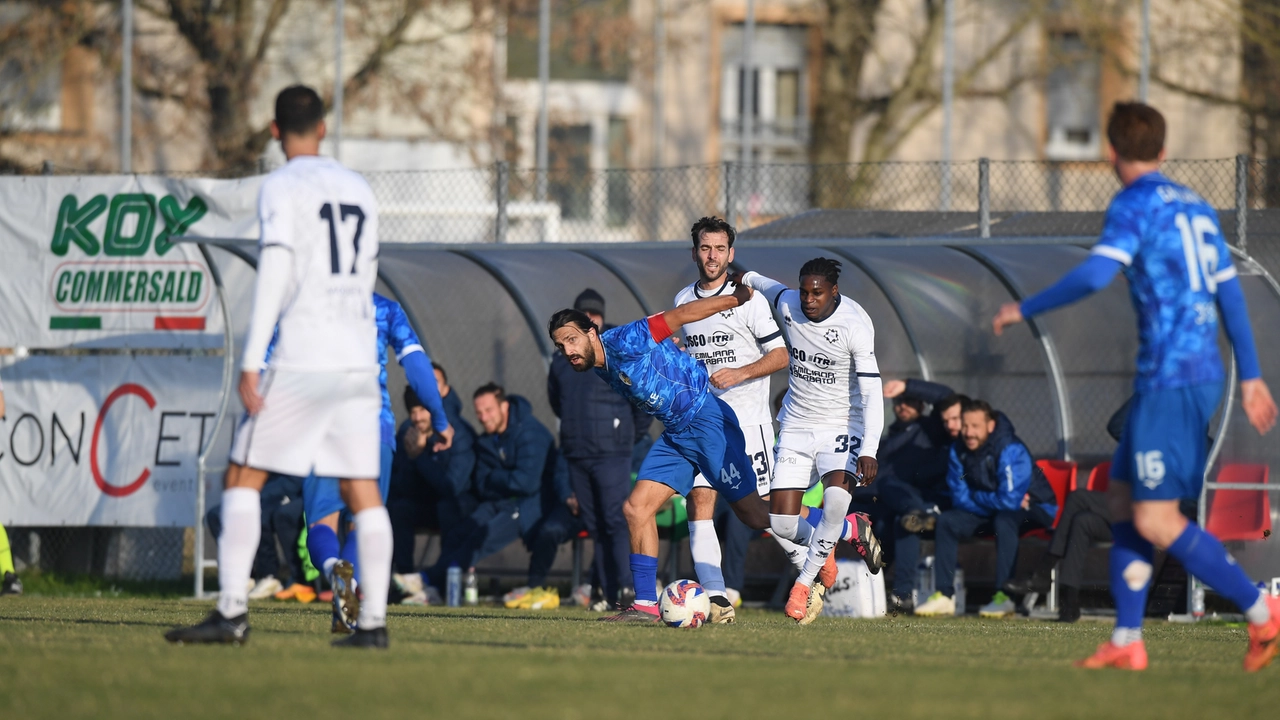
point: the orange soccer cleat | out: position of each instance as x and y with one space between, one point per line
1264 640
827 575
798 603
1130 657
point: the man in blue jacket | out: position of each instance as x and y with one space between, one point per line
994 484
429 488
513 456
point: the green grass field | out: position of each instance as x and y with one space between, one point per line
73 657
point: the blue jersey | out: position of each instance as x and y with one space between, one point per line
655 376
1168 239
394 330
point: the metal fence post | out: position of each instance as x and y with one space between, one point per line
500 197
728 192
984 198
1242 201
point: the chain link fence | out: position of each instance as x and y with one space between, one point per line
500 204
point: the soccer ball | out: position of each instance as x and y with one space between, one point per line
684 604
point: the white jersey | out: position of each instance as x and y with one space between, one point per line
834 378
317 269
732 339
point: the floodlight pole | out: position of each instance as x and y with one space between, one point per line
338 32
544 79
748 103
948 98
1144 56
126 89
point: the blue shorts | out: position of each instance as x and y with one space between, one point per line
321 497
712 444
1165 444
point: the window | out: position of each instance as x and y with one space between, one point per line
590 40
569 170
1072 99
619 187
779 118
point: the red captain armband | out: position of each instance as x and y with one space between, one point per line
658 328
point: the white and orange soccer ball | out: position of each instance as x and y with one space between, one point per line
684 604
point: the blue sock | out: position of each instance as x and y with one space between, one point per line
1130 574
644 570
322 544
349 554
1203 556
815 516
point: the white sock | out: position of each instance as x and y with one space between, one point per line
328 565
795 553
373 533
1259 613
835 504
1120 637
241 531
704 545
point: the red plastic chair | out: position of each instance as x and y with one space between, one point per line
1061 475
1240 514
1100 477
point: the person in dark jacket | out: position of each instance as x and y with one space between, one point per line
993 482
513 455
598 430
429 489
912 484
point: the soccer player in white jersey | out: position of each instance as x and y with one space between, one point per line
741 348
317 406
831 417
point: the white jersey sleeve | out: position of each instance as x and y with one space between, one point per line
319 249
866 375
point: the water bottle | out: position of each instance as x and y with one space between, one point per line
1197 601
960 597
471 587
453 586
924 579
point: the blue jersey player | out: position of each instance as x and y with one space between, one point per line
701 432
320 496
1167 241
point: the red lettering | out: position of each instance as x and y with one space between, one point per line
107 488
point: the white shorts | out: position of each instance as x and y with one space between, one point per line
803 457
759 439
322 422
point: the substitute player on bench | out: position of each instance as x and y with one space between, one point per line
1167 240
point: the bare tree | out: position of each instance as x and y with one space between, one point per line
207 59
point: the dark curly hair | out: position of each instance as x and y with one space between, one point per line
711 224
823 268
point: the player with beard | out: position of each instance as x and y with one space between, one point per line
740 347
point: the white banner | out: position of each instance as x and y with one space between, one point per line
105 440
89 260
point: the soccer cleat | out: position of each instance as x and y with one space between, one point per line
798 602
627 596
900 604
1129 657
914 521
213 629
865 542
375 638
581 595
722 612
297 591
543 598
1001 605
346 603
814 608
827 574
518 598
634 615
408 583
10 585
1264 640
265 588
938 605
